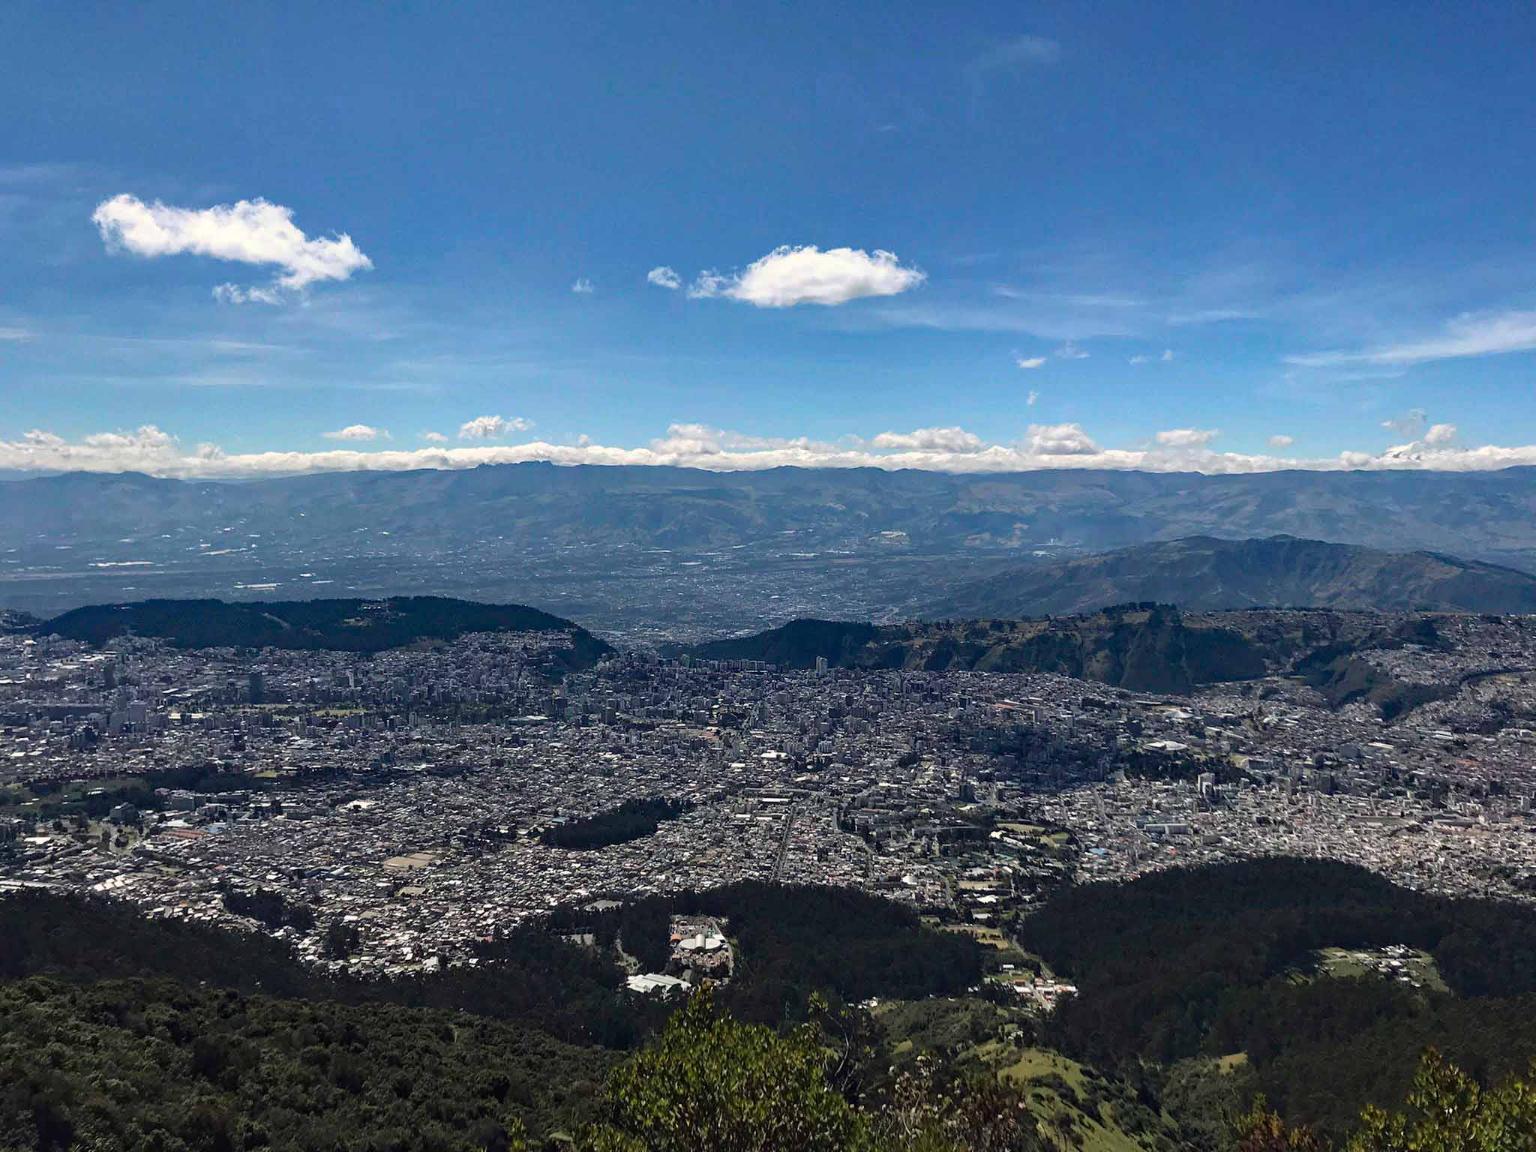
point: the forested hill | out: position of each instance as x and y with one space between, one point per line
1207 574
1187 965
1139 647
341 625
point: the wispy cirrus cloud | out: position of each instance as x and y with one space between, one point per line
1007 58
1469 336
246 232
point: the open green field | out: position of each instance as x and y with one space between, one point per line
1076 1107
1408 965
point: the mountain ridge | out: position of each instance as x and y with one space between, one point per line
1205 573
352 625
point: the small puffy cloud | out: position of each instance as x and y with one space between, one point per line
1059 440
246 232
583 287
930 440
1029 401
1187 437
234 294
1070 351
1440 434
1280 440
1030 363
357 432
1147 358
434 438
1409 424
664 277
790 276
492 427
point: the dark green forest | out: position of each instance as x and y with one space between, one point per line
631 820
343 625
119 1031
1208 962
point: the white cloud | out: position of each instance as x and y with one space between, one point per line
1438 434
246 232
357 432
1029 363
1187 437
1029 401
1046 446
492 427
583 287
434 438
1409 424
956 440
664 277
1059 440
234 294
1280 440
14 335
790 276
1070 351
1471 335
1147 358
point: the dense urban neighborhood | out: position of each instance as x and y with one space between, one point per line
386 812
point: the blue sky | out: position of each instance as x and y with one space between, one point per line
1228 225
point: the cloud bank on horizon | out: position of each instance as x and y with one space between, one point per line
153 451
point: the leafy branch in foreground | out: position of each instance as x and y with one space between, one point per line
1447 1111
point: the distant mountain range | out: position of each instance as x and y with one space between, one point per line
680 552
1207 574
339 625
1471 514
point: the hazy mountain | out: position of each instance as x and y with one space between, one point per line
541 504
1200 572
685 552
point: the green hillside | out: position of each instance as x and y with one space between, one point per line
1140 647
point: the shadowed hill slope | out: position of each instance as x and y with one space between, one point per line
341 625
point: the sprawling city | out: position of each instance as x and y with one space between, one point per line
836 577
410 793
